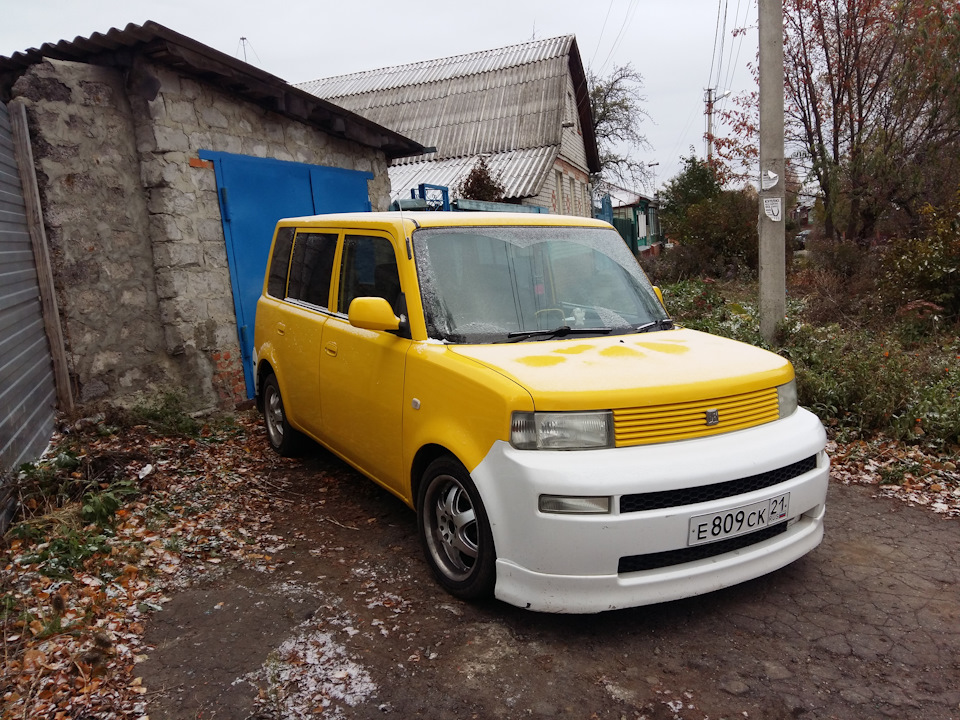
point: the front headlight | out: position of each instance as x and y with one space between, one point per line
787 397
561 430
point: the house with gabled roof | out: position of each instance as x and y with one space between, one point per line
525 108
634 215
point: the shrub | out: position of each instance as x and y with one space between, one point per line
843 258
166 415
926 268
715 229
701 306
856 379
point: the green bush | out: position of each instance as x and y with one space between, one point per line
166 415
701 306
843 258
715 230
856 380
67 550
101 505
925 271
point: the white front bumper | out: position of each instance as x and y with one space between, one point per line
569 563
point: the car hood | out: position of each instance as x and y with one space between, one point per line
641 369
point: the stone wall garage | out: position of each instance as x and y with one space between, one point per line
131 131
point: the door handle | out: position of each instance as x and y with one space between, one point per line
330 349
281 328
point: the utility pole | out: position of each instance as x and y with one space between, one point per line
710 99
709 126
772 168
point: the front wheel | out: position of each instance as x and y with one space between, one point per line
455 532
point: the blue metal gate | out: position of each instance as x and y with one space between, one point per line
255 193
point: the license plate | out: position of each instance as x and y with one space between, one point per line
739 520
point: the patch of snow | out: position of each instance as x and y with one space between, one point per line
310 674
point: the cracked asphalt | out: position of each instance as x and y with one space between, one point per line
348 623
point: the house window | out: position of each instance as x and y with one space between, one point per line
572 200
559 179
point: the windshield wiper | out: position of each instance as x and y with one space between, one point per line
561 331
663 324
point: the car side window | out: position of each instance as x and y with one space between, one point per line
277 282
368 269
312 267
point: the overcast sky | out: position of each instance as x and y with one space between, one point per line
674 44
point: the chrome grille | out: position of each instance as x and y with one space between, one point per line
682 421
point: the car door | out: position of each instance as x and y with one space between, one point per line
362 371
299 331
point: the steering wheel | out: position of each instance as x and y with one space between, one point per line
546 312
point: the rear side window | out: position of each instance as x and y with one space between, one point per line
368 269
312 267
277 282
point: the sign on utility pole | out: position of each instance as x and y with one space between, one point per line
772 170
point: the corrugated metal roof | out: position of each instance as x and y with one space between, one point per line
508 103
516 107
118 47
622 197
522 172
433 71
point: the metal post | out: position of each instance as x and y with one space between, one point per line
771 223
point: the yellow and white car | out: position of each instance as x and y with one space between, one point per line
515 379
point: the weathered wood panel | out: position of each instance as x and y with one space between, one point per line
27 389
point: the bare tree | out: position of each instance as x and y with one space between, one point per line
872 109
873 101
618 111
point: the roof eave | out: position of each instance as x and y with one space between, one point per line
583 108
119 48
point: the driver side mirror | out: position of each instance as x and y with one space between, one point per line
660 296
372 313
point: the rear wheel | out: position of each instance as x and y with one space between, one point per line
283 438
454 530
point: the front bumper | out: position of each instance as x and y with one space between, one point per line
569 563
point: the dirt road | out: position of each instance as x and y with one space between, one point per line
343 620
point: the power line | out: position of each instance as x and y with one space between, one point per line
683 132
600 39
723 41
740 25
628 18
713 55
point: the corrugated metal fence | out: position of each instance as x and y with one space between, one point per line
27 386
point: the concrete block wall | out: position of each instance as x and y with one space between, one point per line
135 225
97 225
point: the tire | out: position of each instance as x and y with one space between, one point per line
455 532
282 438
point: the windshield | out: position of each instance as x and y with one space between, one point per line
497 284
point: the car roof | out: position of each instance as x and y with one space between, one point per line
439 219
